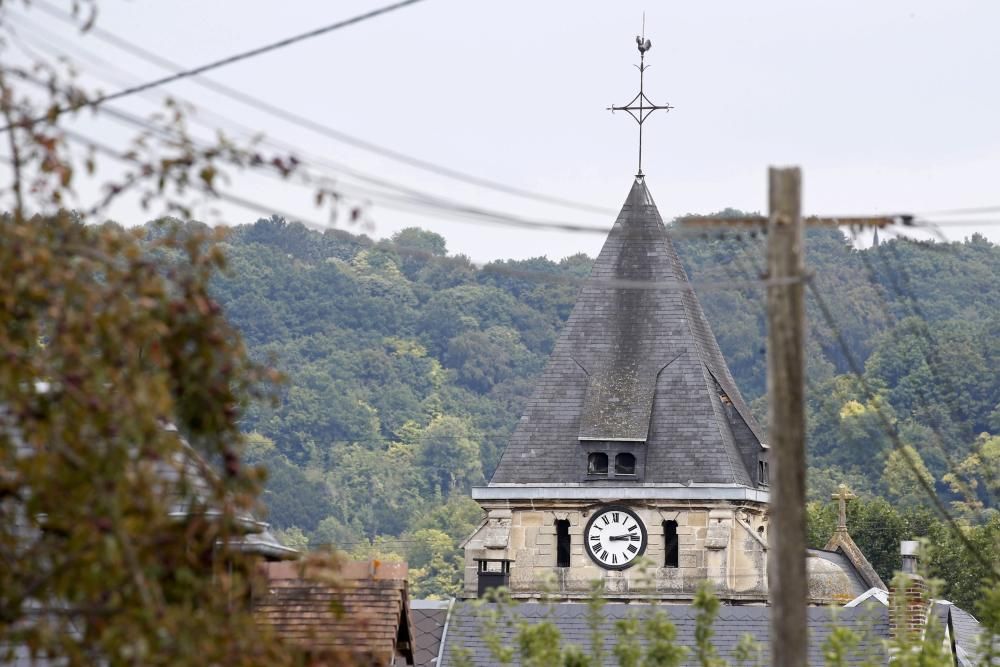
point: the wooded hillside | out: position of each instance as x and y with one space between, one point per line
407 369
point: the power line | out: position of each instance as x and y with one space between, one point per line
975 222
889 428
607 283
409 199
183 74
417 203
394 202
325 130
973 210
930 358
933 360
180 72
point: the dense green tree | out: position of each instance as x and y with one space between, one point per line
436 564
106 342
904 472
447 450
379 491
386 343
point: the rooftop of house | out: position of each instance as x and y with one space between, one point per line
360 613
868 619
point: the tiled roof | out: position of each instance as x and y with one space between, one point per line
842 543
364 617
638 365
465 628
969 635
429 617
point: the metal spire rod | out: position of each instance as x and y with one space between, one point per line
645 107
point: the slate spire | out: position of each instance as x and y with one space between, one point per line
636 367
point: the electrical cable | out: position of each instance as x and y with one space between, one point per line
326 130
417 204
610 283
930 353
889 428
237 57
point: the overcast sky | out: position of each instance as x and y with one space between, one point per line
887 106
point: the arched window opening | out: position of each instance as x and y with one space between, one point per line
597 464
562 543
624 464
671 546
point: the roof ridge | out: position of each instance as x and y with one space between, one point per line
720 424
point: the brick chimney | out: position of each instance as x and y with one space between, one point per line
909 597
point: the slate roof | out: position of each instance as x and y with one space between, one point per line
636 365
871 622
429 618
842 543
967 633
363 619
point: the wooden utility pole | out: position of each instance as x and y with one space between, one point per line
786 370
786 419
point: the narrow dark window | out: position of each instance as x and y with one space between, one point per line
562 543
597 464
624 464
760 473
671 547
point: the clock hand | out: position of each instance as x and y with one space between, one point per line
618 538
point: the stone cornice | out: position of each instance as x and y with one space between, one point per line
730 492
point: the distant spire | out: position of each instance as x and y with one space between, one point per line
645 106
875 239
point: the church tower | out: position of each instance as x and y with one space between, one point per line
637 462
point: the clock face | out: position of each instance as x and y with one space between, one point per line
615 537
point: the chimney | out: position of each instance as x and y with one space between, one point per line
909 599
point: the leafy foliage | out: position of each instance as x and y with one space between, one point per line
121 480
408 367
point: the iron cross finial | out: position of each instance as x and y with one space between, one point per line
645 106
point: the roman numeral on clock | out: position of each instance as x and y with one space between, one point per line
634 538
614 517
603 556
606 520
595 538
614 558
632 548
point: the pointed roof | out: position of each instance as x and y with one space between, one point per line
841 542
636 365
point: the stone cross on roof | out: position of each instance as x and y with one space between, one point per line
842 495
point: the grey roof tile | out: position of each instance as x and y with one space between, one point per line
466 629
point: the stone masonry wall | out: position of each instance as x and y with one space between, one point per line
723 542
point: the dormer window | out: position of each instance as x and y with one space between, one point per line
597 463
763 474
624 464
